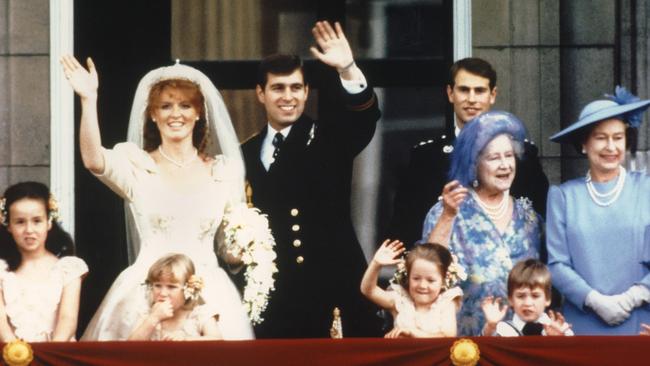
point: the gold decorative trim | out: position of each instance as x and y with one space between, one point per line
362 107
17 353
464 352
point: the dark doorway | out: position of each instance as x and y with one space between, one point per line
125 40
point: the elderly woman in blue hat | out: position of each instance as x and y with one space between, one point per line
477 218
598 226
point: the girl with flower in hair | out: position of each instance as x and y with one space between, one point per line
423 299
177 310
477 218
39 278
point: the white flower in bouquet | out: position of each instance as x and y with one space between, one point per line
247 234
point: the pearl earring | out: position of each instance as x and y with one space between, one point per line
584 151
475 183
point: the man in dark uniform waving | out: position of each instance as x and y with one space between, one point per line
300 173
471 90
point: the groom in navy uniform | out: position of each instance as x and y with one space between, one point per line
300 173
471 90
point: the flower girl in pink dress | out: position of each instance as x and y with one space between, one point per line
423 299
177 310
39 279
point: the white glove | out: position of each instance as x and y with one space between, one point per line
634 297
607 307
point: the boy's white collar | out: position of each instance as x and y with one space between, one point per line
519 323
505 329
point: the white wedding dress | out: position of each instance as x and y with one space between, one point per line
168 221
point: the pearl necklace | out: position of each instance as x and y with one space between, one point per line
495 212
175 162
607 198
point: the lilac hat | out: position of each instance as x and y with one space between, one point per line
622 105
475 136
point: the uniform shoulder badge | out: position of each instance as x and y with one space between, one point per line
312 133
423 143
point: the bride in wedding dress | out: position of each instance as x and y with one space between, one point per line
179 172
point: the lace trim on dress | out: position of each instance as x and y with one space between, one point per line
140 159
403 299
32 307
192 326
407 317
223 169
72 268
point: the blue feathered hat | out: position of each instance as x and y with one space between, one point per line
473 138
622 105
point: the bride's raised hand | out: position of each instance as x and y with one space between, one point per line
84 81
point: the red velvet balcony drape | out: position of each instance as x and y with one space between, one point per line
574 351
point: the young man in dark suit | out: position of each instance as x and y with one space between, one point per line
471 90
300 173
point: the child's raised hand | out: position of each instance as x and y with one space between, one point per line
389 252
162 310
558 326
645 329
399 333
493 310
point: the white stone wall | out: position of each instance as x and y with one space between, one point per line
553 57
24 91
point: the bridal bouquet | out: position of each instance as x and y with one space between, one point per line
247 235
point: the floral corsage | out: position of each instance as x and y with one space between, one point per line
455 273
3 211
192 288
400 275
247 235
52 210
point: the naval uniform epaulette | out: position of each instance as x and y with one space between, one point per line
442 141
423 143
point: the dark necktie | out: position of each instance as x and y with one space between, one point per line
277 142
532 328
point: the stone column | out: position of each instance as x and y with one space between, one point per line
521 40
24 91
589 64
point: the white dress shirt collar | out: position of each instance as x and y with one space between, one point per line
266 152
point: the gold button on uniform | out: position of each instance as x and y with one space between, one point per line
295 227
300 259
294 212
297 243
